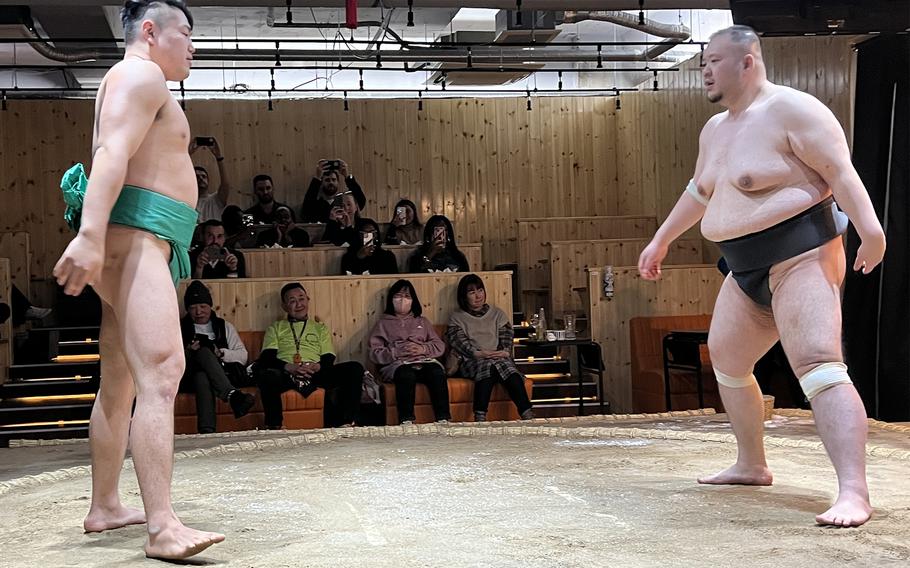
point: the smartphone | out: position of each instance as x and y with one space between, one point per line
402 213
332 165
214 252
439 233
205 141
368 239
338 202
247 220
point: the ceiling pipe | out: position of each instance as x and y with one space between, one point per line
551 5
652 27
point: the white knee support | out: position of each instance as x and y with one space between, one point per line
692 190
734 382
823 378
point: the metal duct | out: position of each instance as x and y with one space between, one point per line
652 27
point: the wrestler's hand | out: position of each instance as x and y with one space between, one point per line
650 260
870 253
80 264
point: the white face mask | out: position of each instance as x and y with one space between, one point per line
402 305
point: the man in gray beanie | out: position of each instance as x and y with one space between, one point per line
215 359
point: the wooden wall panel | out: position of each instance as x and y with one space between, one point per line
6 328
571 260
482 162
681 290
349 306
326 261
16 247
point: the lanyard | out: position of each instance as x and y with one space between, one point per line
297 339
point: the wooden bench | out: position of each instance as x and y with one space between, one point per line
324 260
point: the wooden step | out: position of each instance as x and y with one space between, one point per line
53 432
44 414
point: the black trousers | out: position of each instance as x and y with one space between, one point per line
406 379
515 386
205 375
342 382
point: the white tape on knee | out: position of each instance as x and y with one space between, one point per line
823 378
693 191
734 382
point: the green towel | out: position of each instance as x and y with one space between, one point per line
168 219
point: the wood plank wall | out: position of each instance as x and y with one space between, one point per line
482 162
322 261
6 328
570 261
16 246
681 290
349 306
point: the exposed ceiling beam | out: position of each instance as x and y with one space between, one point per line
497 4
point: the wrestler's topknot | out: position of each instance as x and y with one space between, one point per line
134 10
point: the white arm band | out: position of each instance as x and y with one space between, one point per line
693 191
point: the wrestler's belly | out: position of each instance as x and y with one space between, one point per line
733 213
172 176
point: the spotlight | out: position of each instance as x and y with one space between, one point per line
410 13
346 107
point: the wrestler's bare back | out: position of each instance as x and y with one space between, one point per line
162 162
750 171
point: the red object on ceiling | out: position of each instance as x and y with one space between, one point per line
350 12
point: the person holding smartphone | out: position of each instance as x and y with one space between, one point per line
210 205
405 227
212 259
366 255
438 252
339 230
332 178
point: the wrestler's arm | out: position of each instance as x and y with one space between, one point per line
818 140
133 96
687 211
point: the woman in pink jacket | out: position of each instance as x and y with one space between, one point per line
406 347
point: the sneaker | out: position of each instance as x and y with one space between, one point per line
241 402
443 421
36 313
407 422
527 414
480 416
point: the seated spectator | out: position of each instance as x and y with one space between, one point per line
238 228
215 359
406 346
481 337
297 354
210 205
284 233
405 227
366 255
213 259
438 253
340 229
331 180
266 208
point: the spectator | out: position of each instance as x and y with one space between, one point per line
210 205
332 178
481 337
405 227
215 359
213 259
340 229
266 208
238 228
406 345
284 233
297 354
438 252
366 255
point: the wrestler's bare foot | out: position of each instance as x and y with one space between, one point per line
850 510
100 519
740 475
178 541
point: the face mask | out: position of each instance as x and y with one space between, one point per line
402 305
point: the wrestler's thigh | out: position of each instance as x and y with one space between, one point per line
806 302
741 331
137 284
